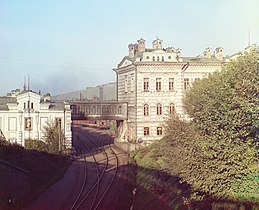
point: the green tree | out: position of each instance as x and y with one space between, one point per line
224 108
54 138
215 152
226 103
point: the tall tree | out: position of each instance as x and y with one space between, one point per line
225 110
54 137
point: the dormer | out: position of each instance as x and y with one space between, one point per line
170 50
207 52
157 44
44 105
12 106
219 53
178 52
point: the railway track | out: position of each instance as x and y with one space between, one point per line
100 169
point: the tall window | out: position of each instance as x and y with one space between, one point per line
146 131
153 58
171 84
146 84
126 84
171 108
132 83
158 84
186 83
163 58
58 123
159 131
146 110
157 58
159 109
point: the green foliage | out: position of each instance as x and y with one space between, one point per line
54 138
35 145
224 108
225 105
247 187
217 151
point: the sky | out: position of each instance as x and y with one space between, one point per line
67 45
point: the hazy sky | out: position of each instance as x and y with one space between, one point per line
69 45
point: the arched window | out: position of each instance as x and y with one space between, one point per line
163 58
153 58
159 109
146 110
157 58
171 108
159 131
169 57
147 57
146 131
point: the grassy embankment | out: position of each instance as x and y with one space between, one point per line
43 169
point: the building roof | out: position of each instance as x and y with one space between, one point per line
57 106
4 100
200 59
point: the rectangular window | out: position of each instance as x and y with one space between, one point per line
186 83
146 84
146 131
31 105
158 84
132 85
171 84
159 131
126 84
58 123
28 124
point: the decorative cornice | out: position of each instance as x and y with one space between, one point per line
179 64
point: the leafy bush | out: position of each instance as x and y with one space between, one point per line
35 145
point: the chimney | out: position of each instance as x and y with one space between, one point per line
24 84
131 50
141 45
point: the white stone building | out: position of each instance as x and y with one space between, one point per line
24 115
153 82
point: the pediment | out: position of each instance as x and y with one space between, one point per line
124 62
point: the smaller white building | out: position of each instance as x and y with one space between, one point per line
25 115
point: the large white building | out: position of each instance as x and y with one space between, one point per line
23 116
153 82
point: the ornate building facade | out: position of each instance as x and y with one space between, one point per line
24 115
153 82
